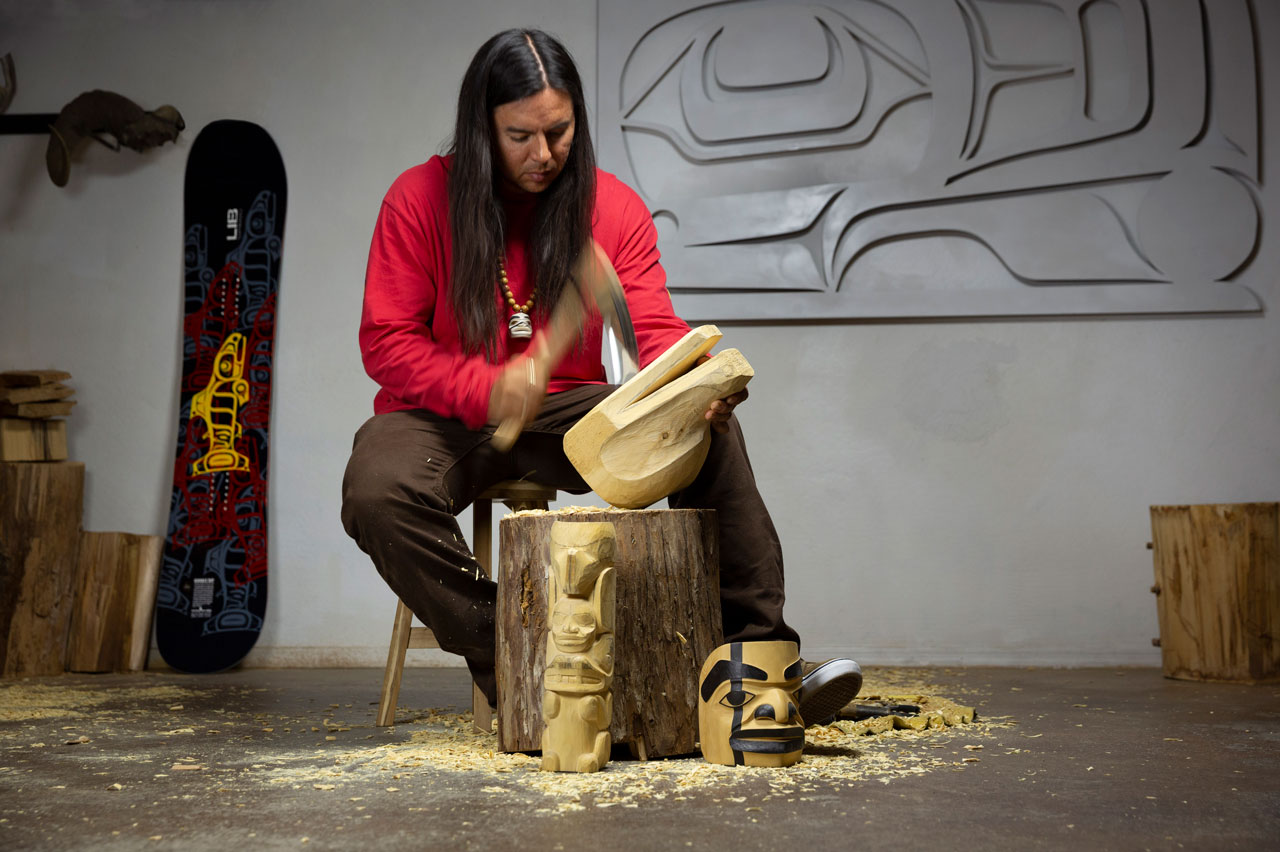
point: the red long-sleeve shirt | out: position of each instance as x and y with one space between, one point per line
409 338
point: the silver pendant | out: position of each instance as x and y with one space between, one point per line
520 325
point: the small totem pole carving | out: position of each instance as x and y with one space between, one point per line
577 701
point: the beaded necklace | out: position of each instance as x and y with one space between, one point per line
520 325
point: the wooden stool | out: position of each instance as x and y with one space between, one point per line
517 495
668 621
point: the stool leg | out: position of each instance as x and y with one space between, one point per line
395 665
481 713
482 548
482 534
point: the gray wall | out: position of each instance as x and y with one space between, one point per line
947 492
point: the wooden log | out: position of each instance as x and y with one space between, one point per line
36 410
150 555
1217 570
115 595
36 393
650 437
29 378
40 510
96 611
33 440
667 622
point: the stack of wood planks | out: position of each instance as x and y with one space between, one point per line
69 599
31 403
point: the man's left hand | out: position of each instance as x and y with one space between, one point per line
721 410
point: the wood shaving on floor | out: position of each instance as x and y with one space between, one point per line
431 745
31 701
839 755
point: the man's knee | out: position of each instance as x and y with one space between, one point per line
368 486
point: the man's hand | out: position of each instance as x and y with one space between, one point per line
518 393
720 410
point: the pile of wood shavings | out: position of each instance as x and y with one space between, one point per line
840 755
31 701
934 713
565 510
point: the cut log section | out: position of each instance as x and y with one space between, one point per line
1217 570
61 408
30 378
40 510
650 437
36 393
32 440
668 621
115 597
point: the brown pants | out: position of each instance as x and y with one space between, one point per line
412 472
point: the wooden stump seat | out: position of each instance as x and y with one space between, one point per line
668 621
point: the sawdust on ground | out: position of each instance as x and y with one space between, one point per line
22 701
945 736
843 754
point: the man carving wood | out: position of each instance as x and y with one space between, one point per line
471 251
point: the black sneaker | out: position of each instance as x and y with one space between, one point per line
825 688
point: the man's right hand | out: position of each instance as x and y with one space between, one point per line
518 393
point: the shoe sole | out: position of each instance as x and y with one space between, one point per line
828 698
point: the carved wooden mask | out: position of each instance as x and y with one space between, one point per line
748 707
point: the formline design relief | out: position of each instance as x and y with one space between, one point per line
939 158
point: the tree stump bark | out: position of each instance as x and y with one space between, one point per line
1217 573
40 510
668 621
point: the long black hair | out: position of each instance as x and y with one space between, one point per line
511 66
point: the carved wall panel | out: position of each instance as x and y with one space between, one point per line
932 158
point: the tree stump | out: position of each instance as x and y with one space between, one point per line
668 621
40 510
1217 573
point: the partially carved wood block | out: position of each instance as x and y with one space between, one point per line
650 436
577 701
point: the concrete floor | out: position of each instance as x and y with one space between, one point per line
1059 759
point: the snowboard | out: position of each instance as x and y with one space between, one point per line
212 593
